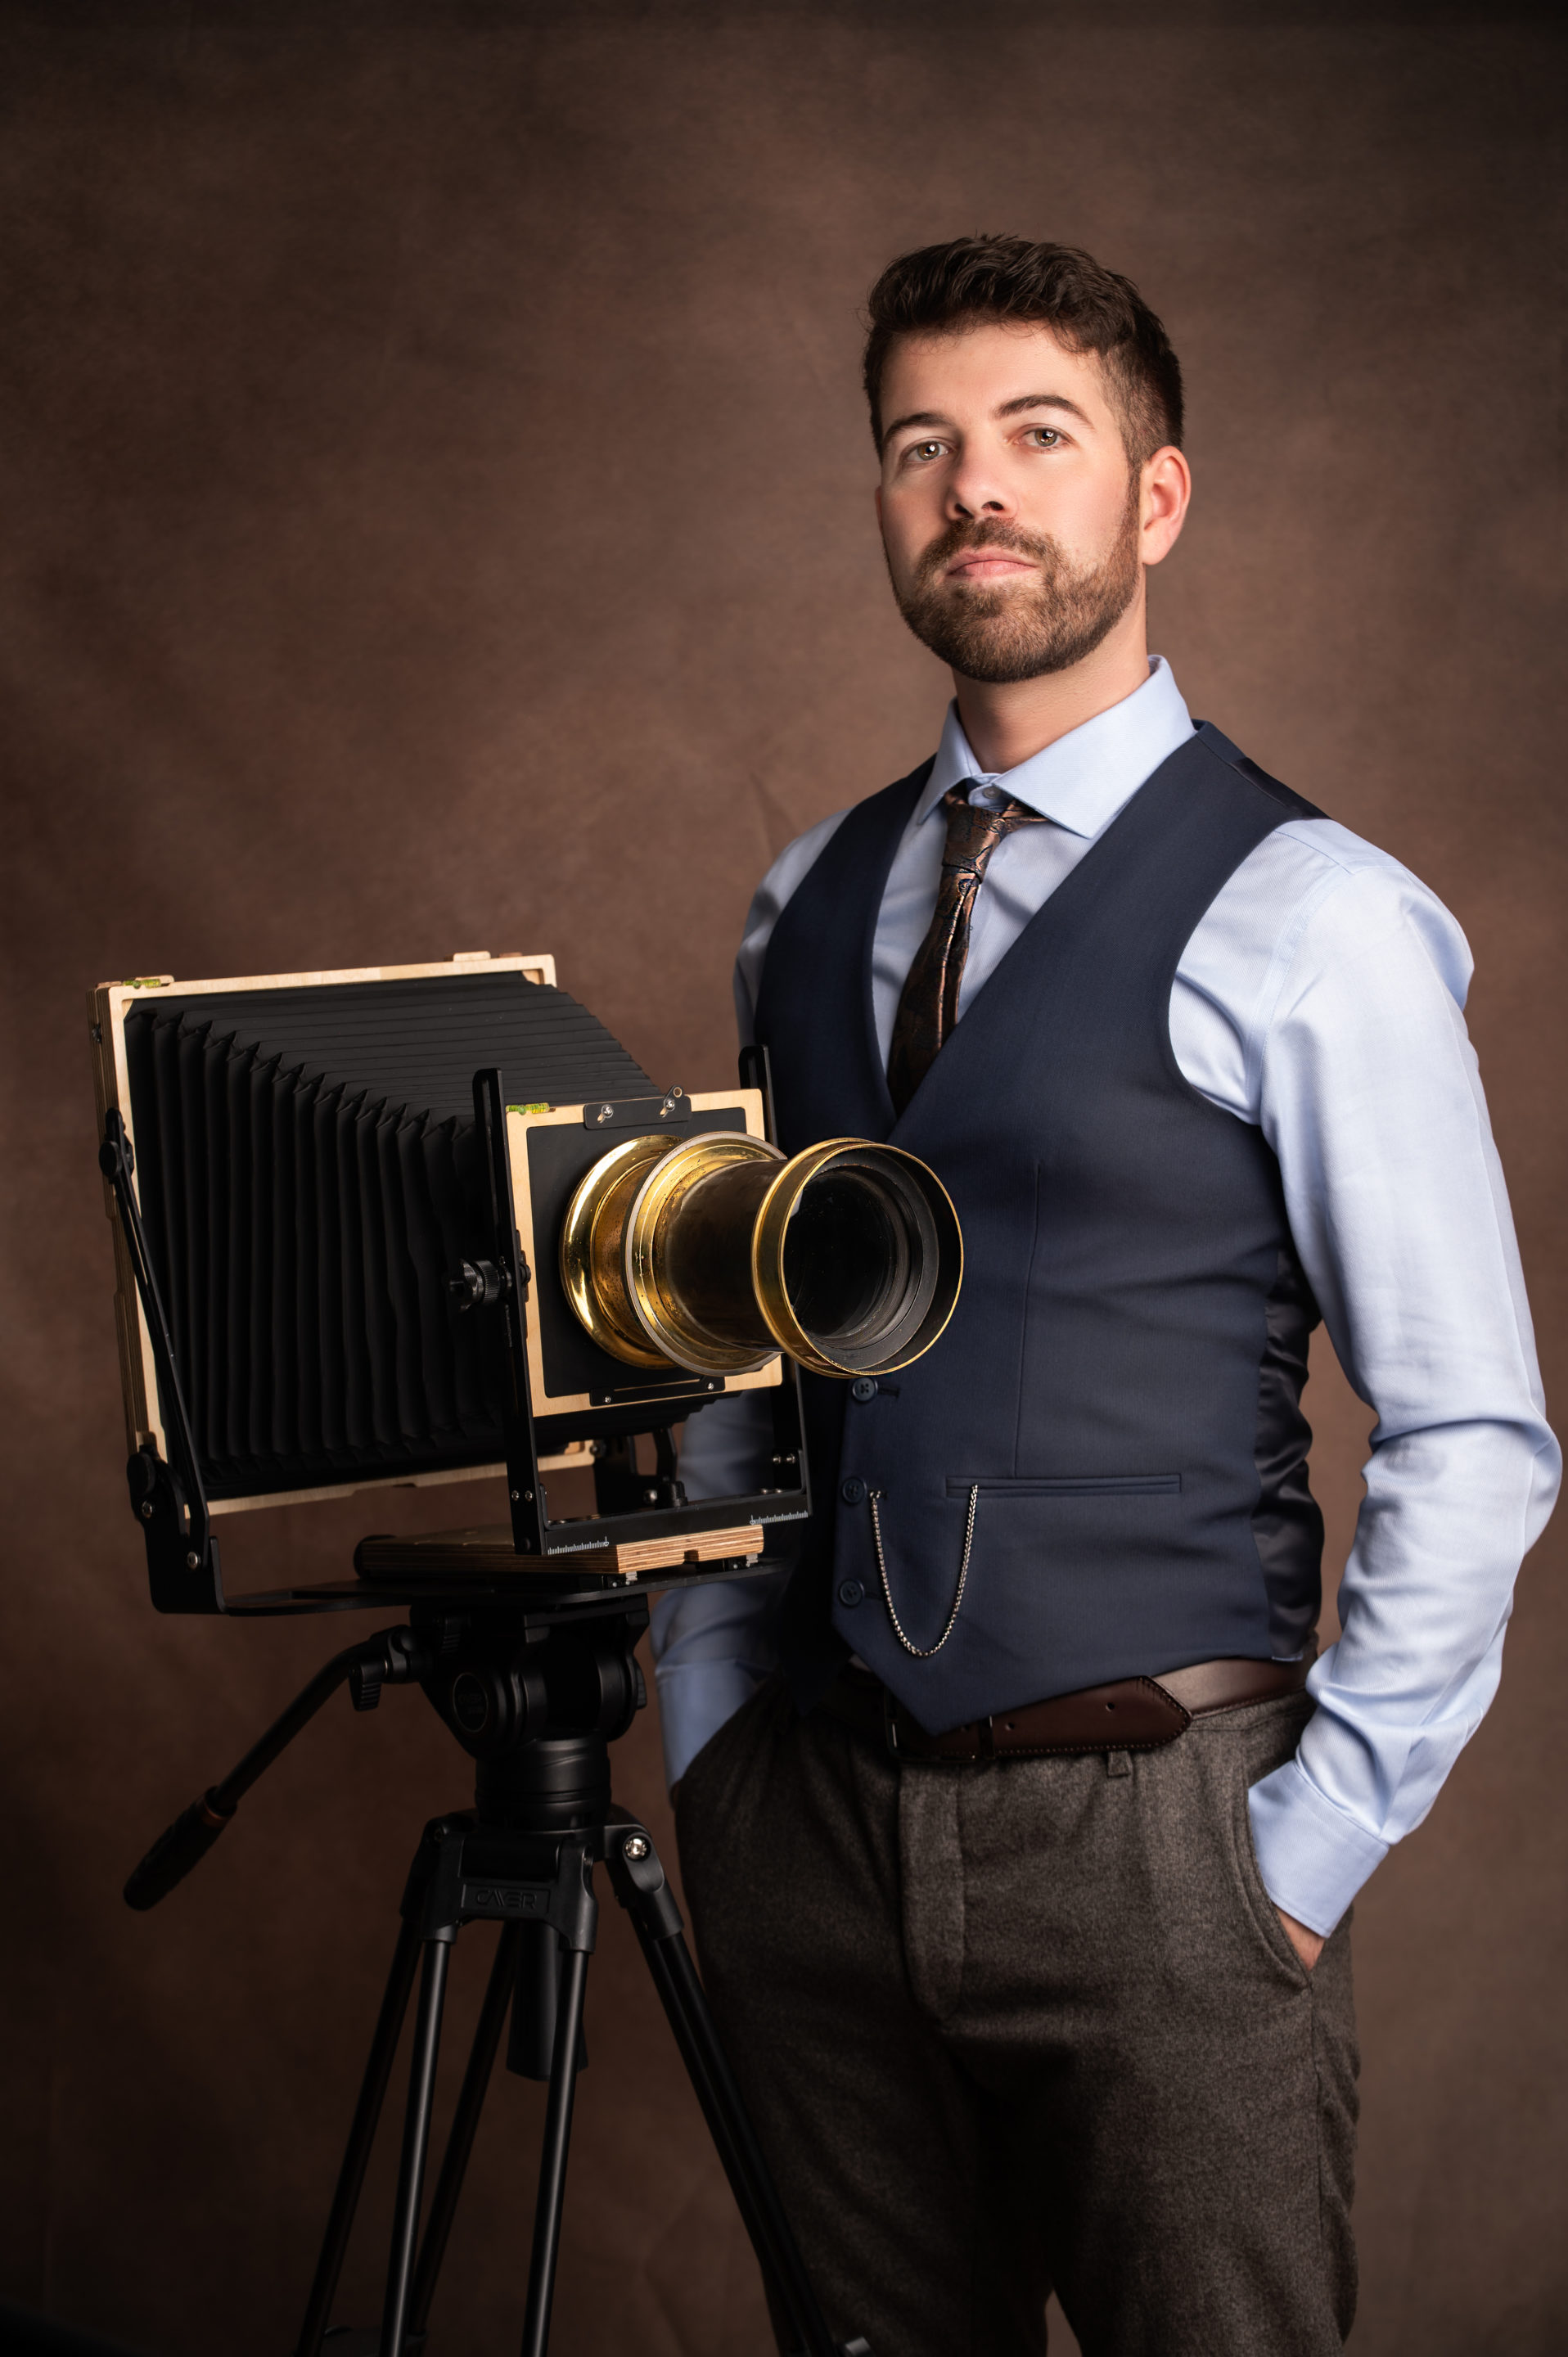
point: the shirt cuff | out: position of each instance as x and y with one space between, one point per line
696 1699
1312 1859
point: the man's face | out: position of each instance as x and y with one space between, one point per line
1009 510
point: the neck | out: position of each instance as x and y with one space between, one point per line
1008 722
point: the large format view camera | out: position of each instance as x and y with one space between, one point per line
423 1223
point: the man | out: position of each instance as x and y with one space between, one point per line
1023 1884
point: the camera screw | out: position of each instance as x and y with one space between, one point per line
635 1846
146 1510
605 1113
191 1561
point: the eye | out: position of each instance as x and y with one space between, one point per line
922 453
1042 438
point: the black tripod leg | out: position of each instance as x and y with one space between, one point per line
553 2160
685 2002
464 2127
416 2141
362 2136
637 1880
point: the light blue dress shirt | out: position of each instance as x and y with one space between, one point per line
1321 998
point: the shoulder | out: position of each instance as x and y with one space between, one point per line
781 883
1312 871
1211 742
796 861
1314 900
1352 894
773 896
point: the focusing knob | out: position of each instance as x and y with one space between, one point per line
476 1285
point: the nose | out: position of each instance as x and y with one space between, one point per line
977 490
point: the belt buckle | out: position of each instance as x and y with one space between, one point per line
890 1722
983 1732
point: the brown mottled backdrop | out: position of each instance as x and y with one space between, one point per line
438 517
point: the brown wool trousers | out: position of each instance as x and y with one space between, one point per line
1026 2024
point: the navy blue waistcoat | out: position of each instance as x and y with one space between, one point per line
1123 1374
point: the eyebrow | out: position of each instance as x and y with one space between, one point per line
1043 401
1008 409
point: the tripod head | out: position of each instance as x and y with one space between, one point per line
536 1699
534 1692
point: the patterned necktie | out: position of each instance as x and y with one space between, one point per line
927 1008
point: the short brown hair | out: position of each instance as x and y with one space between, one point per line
1088 308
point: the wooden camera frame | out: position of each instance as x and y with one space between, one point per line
565 1400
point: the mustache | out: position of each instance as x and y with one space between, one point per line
960 538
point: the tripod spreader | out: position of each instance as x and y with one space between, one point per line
394 1658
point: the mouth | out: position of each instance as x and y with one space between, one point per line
986 565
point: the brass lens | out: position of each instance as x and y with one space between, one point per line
716 1254
688 1253
857 1258
592 1254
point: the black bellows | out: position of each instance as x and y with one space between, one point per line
309 1183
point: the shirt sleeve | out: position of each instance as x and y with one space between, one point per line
713 1642
1369 1094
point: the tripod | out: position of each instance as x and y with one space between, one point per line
535 1694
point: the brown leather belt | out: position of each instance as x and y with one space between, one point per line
1129 1715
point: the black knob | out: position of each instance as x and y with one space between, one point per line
853 1490
476 1285
470 1702
365 1684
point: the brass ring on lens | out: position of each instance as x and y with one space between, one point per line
591 1258
768 1252
665 1319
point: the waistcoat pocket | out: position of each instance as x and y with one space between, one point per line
1066 1485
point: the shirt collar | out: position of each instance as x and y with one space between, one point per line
1084 779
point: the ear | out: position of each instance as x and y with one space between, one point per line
1165 494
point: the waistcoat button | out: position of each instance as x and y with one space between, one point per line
863 1388
852 1491
851 1592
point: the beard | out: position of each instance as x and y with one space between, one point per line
999 632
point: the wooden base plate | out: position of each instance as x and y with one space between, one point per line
488 1552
